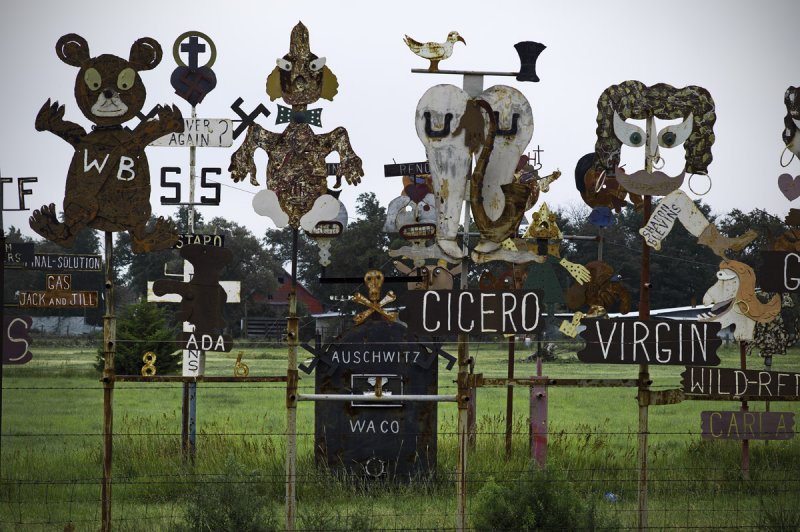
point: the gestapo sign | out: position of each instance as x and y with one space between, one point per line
732 382
390 440
441 312
667 342
738 425
780 271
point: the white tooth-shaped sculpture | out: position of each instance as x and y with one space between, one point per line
396 206
512 109
438 115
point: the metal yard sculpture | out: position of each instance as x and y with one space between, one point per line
434 51
600 293
788 184
634 100
108 182
296 172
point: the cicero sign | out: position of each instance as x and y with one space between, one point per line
439 312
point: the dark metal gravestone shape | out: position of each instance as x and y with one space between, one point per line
528 54
393 441
202 297
193 82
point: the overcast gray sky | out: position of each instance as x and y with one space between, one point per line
743 52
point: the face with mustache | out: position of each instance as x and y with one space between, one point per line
653 182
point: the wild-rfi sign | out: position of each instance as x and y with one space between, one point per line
441 312
614 341
754 384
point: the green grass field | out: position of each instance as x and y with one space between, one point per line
52 449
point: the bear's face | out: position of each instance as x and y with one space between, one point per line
108 89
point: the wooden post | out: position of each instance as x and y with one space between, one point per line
292 379
109 348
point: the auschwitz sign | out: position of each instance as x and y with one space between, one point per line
755 384
204 240
614 341
393 170
780 271
55 262
392 440
58 294
200 132
18 253
17 339
737 425
472 311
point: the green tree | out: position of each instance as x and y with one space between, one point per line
142 328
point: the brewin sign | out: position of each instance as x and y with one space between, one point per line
440 312
667 342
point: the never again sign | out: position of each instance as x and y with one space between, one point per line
472 311
685 343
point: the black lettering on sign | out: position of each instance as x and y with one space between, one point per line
686 343
392 170
472 311
166 200
738 425
780 271
216 187
725 382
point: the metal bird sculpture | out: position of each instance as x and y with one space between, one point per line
434 51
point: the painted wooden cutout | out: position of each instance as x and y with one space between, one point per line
437 277
297 172
600 293
678 206
202 297
108 183
634 100
434 51
788 184
735 302
413 216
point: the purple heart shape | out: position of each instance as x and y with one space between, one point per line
790 186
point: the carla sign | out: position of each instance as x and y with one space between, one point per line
17 339
780 271
737 425
615 341
439 312
754 384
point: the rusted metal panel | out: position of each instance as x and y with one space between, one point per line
297 172
600 293
634 100
473 311
746 425
619 341
108 181
434 51
394 440
753 384
17 339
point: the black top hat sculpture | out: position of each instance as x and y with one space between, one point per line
528 54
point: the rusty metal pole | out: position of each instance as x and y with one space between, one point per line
745 408
643 395
292 379
510 395
538 413
109 348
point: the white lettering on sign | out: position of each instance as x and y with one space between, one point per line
201 133
475 311
791 283
207 343
94 164
384 427
125 171
374 357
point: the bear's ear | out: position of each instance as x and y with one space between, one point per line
145 54
72 49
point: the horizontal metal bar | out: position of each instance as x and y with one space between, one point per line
463 72
178 378
360 280
375 399
589 383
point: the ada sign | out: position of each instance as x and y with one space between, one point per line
472 311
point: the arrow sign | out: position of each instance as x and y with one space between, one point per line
201 133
